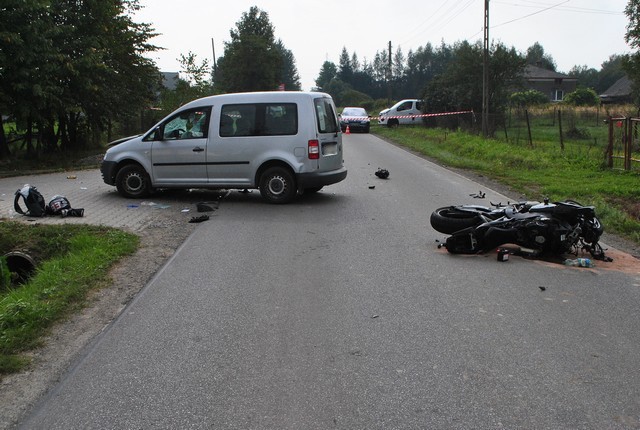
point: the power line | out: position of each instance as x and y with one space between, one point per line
548 7
431 17
441 19
531 14
535 4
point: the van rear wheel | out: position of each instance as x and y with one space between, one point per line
277 185
133 182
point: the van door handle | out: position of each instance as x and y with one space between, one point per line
197 149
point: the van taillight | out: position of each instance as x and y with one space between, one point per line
314 150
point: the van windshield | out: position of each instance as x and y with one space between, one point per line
326 116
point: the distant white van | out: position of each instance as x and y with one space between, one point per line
403 112
282 143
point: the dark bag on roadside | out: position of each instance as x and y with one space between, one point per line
33 200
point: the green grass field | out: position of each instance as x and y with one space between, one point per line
71 261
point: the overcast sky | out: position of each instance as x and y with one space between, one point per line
573 32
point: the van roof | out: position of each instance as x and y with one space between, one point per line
256 97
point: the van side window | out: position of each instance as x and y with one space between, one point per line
259 119
188 124
326 116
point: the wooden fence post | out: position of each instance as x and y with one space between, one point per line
628 138
609 151
560 126
526 115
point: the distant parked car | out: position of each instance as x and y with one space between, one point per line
403 112
356 118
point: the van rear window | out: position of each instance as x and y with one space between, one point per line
259 119
326 116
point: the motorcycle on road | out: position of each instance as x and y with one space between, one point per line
539 229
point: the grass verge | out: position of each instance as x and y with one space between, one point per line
541 170
72 261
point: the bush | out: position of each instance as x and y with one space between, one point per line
528 98
582 97
356 98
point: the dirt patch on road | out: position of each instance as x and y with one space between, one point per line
158 242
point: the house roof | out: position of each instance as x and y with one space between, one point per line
621 88
534 73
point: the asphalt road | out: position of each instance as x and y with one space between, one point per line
338 311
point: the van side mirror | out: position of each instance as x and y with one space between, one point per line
157 135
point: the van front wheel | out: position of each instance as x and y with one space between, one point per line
133 182
277 185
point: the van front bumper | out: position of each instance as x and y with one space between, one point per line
108 168
320 179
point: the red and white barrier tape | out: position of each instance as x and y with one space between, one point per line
424 115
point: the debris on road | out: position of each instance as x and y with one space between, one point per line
155 205
199 218
207 206
382 173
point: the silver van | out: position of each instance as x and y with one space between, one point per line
282 143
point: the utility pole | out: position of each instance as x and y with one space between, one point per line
389 75
485 73
213 48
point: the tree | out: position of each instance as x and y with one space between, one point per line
381 70
355 63
197 74
423 65
611 70
328 72
460 86
289 74
599 80
27 62
61 61
537 57
586 77
345 70
337 88
194 82
251 61
631 62
103 50
398 66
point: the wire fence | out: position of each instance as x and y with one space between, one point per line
623 150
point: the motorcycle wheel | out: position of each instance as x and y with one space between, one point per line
450 219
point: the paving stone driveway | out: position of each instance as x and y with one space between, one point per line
101 202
